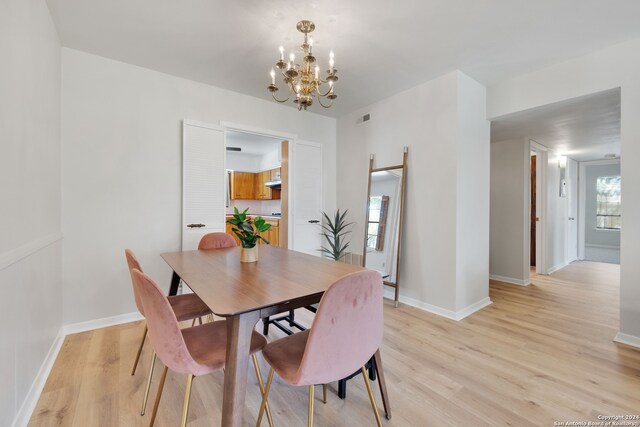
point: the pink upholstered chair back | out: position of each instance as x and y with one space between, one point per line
346 331
133 263
217 241
164 332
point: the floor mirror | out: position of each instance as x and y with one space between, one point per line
383 223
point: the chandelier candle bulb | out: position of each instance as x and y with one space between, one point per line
317 72
273 76
281 53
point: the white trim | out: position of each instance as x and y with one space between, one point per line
33 395
12 256
627 339
470 309
434 309
602 246
511 280
557 267
90 325
536 146
258 131
601 162
582 210
196 123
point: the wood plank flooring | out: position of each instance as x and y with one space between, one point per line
538 354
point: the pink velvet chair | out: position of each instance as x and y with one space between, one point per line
185 307
345 333
194 351
217 241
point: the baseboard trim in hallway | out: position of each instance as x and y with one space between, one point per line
510 280
627 339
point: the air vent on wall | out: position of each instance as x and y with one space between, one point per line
234 149
364 118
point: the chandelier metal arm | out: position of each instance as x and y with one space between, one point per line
273 94
325 106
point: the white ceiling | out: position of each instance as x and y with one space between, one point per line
252 145
584 128
382 47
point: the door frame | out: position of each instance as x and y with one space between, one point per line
582 199
292 138
578 198
542 156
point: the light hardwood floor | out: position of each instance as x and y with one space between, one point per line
538 354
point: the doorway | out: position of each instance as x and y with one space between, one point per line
537 203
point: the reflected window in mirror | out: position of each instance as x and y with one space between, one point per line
378 212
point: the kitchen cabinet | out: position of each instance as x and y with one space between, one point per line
243 185
262 191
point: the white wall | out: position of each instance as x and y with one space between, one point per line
609 238
510 181
242 162
121 128
443 124
616 66
30 248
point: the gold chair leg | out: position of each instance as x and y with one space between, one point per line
187 398
310 423
261 385
158 396
264 397
146 390
324 393
371 396
135 364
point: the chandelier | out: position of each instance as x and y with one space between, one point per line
304 80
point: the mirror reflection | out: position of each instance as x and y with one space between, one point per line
383 223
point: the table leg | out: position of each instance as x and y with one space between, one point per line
377 359
175 282
239 330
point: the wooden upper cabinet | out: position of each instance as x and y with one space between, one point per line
275 174
262 191
243 185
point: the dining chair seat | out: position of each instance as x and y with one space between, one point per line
210 358
285 355
188 307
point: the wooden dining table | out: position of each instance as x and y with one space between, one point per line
243 293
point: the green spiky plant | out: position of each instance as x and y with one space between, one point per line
247 229
334 231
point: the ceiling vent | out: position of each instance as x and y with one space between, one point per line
234 149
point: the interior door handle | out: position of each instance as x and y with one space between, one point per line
313 221
196 225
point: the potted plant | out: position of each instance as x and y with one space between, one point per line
334 232
248 230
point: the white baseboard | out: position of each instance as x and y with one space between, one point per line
557 267
469 310
510 280
603 246
33 395
31 399
627 339
90 325
434 309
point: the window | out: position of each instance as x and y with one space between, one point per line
378 209
608 207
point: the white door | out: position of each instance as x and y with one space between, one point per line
203 182
306 197
572 210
